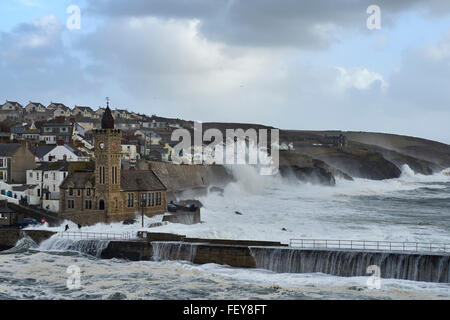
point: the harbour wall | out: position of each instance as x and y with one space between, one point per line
9 237
429 267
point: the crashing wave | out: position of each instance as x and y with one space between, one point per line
23 245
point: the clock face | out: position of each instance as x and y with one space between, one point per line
102 145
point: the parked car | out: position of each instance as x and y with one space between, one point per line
129 221
171 207
27 222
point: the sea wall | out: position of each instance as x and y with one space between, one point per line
9 237
393 265
184 177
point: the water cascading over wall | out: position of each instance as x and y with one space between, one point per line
168 250
408 266
90 247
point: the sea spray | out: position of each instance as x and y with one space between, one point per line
90 247
168 250
418 267
23 245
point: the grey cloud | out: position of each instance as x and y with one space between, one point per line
36 65
306 24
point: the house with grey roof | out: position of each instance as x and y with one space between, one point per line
59 110
54 132
83 112
11 109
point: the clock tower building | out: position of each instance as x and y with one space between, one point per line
107 143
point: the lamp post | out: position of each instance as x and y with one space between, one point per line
143 203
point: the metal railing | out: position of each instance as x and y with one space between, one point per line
370 245
95 235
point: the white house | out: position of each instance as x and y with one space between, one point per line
64 152
129 152
48 177
14 193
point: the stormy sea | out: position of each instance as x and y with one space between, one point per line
413 208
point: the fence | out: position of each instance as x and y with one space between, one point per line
370 245
95 235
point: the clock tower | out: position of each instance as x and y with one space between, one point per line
107 144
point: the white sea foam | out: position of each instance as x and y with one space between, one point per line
276 209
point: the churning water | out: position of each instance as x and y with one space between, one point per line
410 208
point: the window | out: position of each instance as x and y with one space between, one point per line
31 175
71 204
102 175
89 204
2 163
151 199
130 200
158 198
2 175
46 176
88 192
79 192
54 176
39 192
70 191
37 175
143 199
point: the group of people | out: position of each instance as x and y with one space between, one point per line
67 227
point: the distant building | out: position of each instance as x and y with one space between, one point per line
15 159
11 110
53 132
48 177
84 112
59 110
9 217
336 141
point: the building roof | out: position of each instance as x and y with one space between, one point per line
79 180
140 180
41 151
6 209
8 149
55 105
24 187
107 119
130 180
14 103
89 109
54 166
36 104
57 124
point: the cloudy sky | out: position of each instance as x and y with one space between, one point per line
293 64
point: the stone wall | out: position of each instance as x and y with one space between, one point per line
184 177
9 237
